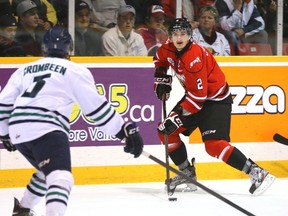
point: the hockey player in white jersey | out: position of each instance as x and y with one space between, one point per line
35 107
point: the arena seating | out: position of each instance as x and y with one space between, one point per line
254 49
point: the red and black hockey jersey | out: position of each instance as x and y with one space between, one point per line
197 71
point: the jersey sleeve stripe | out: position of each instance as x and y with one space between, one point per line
38 121
107 120
41 110
98 109
103 115
193 103
196 98
36 114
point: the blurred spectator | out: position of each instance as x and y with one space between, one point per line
61 7
285 21
141 8
207 36
88 42
241 22
5 7
46 12
189 11
121 40
207 3
268 11
104 13
29 33
9 47
153 31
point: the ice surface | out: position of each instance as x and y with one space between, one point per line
150 199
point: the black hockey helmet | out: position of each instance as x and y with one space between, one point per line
180 24
57 42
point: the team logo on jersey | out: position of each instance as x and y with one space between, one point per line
170 60
181 78
197 60
178 67
212 51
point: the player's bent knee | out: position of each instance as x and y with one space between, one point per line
220 149
60 177
172 138
174 146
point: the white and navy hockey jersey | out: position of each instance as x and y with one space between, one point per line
39 97
219 47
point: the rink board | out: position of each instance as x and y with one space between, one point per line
259 83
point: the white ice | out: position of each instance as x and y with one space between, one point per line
150 199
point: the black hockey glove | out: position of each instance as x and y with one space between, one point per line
170 124
133 140
7 143
162 85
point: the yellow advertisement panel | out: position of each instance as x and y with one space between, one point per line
259 87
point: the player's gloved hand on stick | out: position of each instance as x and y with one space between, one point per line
133 140
7 143
162 86
170 124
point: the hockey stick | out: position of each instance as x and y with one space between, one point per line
280 139
197 183
167 181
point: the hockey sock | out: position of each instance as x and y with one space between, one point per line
247 166
60 183
179 156
35 191
237 159
229 154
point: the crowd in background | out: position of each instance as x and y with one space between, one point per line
139 27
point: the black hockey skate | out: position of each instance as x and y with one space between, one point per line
20 211
180 184
260 178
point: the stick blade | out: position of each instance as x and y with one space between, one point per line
280 139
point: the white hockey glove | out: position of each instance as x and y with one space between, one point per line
133 140
7 143
170 124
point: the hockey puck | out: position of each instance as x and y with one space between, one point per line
173 199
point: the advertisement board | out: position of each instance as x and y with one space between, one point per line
259 89
258 85
129 90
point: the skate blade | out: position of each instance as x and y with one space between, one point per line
269 179
183 188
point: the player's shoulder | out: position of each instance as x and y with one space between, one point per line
194 57
198 50
110 34
167 47
194 50
70 66
196 46
77 68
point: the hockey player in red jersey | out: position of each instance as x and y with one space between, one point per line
206 105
